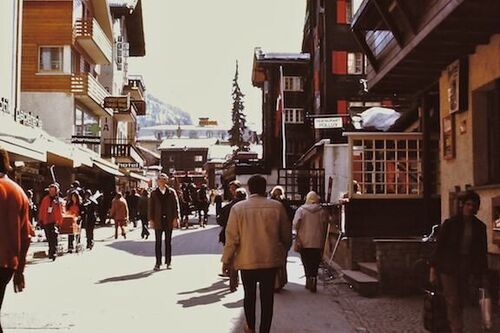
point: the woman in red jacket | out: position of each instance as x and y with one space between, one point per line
73 209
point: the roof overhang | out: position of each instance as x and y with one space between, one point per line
134 23
103 16
410 62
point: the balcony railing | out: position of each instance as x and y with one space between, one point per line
385 165
90 36
123 148
135 87
90 92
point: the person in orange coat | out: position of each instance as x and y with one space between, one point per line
119 213
15 230
50 215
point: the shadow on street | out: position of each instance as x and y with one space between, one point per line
212 294
202 241
128 277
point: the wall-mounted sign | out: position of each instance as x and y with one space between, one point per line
448 138
117 102
458 77
86 139
326 123
129 165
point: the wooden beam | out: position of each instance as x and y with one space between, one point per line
366 49
389 22
410 20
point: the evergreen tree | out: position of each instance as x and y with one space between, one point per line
239 119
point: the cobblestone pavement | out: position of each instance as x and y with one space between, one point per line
390 314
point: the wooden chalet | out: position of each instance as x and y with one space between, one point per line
444 57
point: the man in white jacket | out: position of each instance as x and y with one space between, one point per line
258 235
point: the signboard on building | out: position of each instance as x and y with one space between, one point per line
128 165
327 122
86 139
117 102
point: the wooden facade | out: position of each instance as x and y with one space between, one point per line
46 23
268 76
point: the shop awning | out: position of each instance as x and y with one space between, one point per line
23 150
138 176
107 167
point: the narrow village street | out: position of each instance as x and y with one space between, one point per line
113 288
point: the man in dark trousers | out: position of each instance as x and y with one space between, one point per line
258 235
461 252
163 216
15 230
50 215
89 217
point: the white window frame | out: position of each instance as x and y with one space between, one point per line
198 158
355 63
293 83
294 115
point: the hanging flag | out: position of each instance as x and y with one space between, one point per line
279 106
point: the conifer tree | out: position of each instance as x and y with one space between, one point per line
238 117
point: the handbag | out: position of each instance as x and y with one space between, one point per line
435 318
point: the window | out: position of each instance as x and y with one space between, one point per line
355 63
86 124
294 116
351 7
51 59
293 83
198 169
198 158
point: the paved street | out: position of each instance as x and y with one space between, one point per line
114 289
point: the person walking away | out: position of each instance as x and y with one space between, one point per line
163 216
89 217
240 194
50 215
460 253
203 204
132 201
258 235
217 201
311 223
278 194
119 213
142 207
74 210
15 230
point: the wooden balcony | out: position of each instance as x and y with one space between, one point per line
90 92
408 43
89 35
122 149
135 87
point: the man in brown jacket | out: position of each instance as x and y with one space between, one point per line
119 213
163 216
258 235
15 230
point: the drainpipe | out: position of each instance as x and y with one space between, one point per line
16 56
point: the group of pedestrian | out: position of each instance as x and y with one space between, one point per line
257 236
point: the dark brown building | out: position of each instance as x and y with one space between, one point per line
338 66
289 71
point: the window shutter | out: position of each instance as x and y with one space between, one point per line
341 12
339 62
341 106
